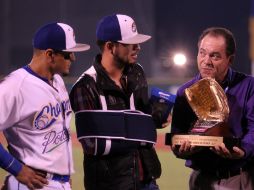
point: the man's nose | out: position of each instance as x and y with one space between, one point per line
137 47
207 59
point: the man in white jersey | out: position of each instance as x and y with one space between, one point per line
36 112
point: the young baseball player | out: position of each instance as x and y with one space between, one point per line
36 112
112 110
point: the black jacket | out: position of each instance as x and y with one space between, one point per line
119 169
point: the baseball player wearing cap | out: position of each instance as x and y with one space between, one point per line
36 112
110 101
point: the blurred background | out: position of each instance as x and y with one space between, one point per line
174 25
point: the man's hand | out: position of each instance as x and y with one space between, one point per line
185 150
222 151
31 179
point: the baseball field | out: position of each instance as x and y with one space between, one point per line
174 173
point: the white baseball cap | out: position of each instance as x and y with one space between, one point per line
119 28
57 36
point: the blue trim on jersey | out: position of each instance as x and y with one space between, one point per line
28 69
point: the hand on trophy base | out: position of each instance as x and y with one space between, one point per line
201 140
185 150
223 151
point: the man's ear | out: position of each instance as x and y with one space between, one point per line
49 52
50 56
109 45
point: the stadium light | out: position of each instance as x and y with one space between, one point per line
179 59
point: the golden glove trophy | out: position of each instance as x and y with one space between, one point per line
209 102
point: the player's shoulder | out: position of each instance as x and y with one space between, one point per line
87 78
138 67
11 85
135 70
15 78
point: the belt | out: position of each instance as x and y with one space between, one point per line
223 174
57 177
52 176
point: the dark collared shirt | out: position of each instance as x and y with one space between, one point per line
239 90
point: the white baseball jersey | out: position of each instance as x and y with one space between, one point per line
32 117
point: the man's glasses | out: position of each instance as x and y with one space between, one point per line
66 55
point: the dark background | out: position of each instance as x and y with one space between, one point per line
179 24
175 25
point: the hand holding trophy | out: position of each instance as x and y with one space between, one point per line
209 102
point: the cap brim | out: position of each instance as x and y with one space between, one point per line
139 38
78 48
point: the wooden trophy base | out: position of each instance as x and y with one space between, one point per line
201 140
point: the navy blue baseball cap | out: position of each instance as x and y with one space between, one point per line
119 28
57 36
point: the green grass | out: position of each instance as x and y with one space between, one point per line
174 173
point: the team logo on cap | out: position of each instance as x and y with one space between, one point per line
72 33
134 27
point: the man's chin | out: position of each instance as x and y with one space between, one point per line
133 62
206 74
